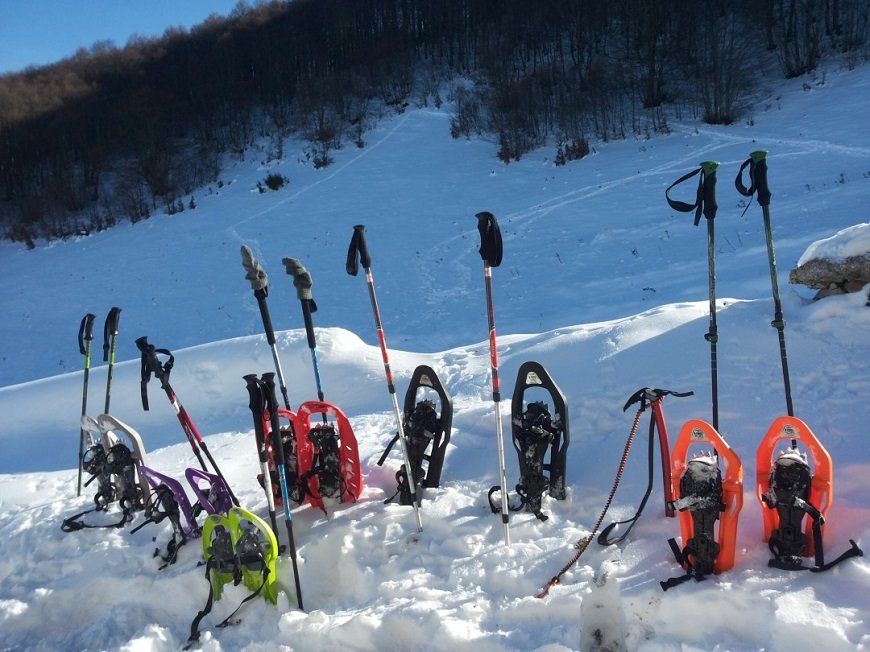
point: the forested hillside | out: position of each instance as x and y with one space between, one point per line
119 133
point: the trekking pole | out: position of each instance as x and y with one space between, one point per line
757 164
258 408
268 382
491 253
86 334
356 253
303 283
151 364
110 336
705 202
260 285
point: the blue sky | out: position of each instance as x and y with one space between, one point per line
38 32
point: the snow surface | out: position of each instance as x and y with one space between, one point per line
601 283
851 241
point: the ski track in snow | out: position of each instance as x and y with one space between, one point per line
233 230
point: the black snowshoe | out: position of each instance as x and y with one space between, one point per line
788 493
424 424
535 431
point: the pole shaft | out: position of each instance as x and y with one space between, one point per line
412 488
270 338
778 321
278 448
713 335
110 374
84 412
496 397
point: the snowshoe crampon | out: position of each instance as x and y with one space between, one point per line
328 455
169 501
535 432
427 424
703 497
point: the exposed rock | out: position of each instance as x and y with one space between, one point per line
833 276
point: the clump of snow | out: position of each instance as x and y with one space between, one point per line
846 243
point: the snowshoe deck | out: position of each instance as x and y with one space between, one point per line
425 422
112 429
211 491
820 492
158 480
695 496
240 547
535 432
328 455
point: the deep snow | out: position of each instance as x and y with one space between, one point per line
601 282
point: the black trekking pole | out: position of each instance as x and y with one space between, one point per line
257 405
268 383
303 283
86 335
757 164
259 280
110 336
151 365
705 202
491 253
358 253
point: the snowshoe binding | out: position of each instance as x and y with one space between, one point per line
703 497
328 455
114 464
789 490
424 423
238 548
212 493
169 501
535 431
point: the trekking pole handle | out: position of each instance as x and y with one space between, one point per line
757 164
709 191
112 320
358 251
490 239
303 283
254 272
758 176
251 381
149 355
110 328
86 332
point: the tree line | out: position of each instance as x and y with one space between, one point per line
117 133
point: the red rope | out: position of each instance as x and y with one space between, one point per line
584 542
